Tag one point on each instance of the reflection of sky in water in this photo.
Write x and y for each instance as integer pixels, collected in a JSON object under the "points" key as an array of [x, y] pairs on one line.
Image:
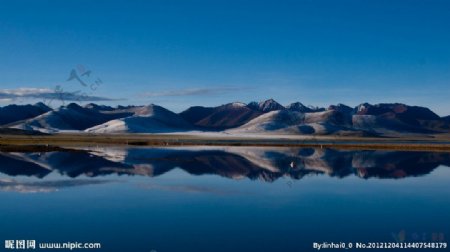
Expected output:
{"points": [[181, 212]]}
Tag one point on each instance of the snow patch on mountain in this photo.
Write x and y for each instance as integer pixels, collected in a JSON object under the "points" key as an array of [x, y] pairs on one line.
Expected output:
{"points": [[148, 119]]}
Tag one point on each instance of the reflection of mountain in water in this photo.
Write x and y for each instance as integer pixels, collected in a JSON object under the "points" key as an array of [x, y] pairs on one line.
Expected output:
{"points": [[266, 164]]}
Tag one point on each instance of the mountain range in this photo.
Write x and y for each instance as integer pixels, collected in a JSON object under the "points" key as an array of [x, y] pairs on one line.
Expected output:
{"points": [[265, 117]]}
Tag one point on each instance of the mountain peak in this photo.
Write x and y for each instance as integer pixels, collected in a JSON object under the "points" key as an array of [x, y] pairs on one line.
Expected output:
{"points": [[97, 107], [234, 105], [238, 104], [341, 108], [363, 107], [74, 106], [299, 107], [41, 105], [266, 106]]}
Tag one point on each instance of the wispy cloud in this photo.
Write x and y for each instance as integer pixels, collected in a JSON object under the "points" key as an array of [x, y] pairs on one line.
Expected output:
{"points": [[5, 100], [45, 93], [195, 91]]}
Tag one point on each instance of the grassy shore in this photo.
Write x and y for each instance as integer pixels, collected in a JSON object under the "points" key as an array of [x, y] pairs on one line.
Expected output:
{"points": [[418, 143]]}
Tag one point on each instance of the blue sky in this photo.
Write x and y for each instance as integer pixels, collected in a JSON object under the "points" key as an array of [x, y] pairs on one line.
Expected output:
{"points": [[183, 53]]}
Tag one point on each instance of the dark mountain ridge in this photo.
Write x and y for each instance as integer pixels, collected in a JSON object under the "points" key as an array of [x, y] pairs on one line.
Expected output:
{"points": [[13, 113]]}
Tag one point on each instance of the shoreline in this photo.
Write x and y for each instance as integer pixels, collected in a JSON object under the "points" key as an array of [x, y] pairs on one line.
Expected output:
{"points": [[401, 143]]}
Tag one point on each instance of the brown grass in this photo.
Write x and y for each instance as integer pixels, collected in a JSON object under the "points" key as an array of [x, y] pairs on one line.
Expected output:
{"points": [[413, 143]]}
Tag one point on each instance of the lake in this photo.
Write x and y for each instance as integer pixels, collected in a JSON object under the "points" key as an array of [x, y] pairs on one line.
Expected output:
{"points": [[223, 198]]}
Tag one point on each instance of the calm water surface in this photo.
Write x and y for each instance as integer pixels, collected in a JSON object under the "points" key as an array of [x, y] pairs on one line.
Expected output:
{"points": [[223, 199]]}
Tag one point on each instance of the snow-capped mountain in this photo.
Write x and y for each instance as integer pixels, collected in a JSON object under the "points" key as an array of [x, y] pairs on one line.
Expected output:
{"points": [[146, 119], [272, 121], [70, 117], [292, 122], [235, 118], [229, 115], [396, 117]]}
